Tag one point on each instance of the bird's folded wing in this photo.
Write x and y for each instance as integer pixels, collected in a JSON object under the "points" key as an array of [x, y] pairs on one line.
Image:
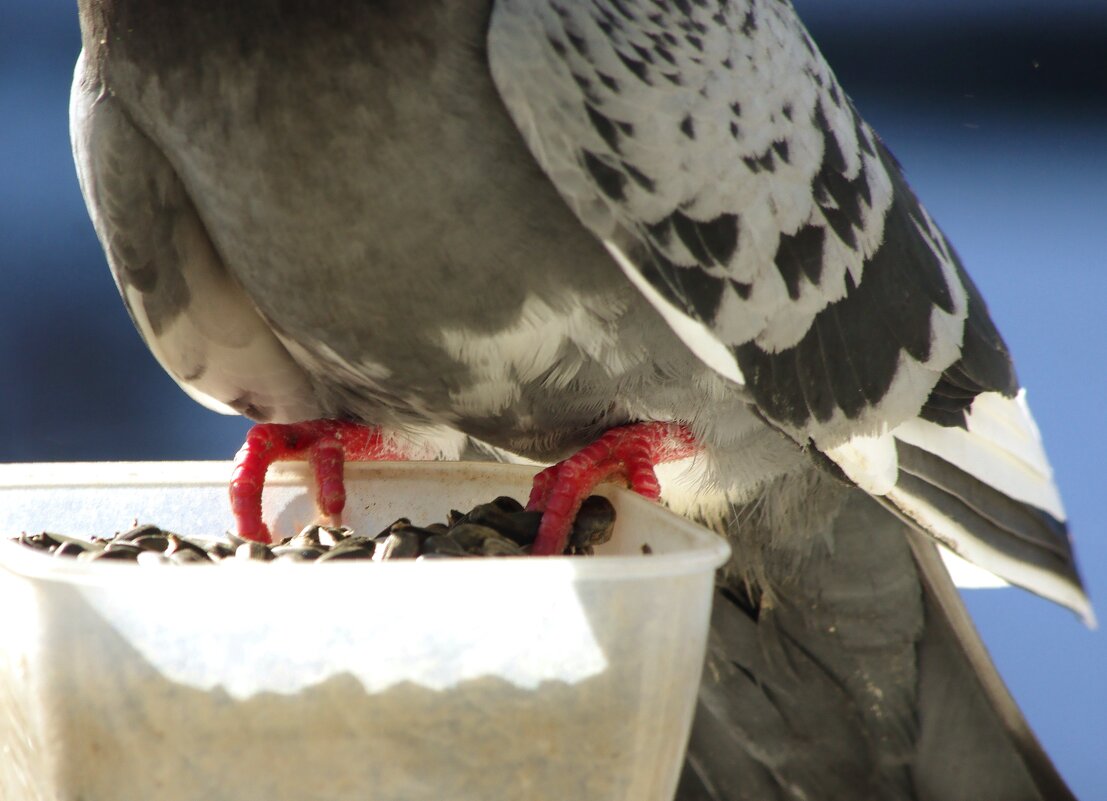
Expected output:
{"points": [[715, 156], [711, 150], [195, 318]]}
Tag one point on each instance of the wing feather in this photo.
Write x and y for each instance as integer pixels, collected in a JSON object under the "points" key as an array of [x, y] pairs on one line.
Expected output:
{"points": [[723, 164], [710, 148]]}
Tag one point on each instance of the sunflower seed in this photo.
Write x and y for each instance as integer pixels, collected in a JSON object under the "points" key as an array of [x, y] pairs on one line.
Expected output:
{"points": [[253, 551], [594, 523]]}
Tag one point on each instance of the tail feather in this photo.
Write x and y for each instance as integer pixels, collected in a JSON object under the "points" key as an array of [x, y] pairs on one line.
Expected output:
{"points": [[1023, 544], [964, 704], [1036, 528], [982, 488], [856, 675]]}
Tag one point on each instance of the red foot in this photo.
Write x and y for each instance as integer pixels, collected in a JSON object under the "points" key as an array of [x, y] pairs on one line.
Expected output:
{"points": [[328, 443], [626, 454]]}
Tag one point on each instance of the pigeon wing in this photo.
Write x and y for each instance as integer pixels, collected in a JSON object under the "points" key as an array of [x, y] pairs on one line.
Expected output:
{"points": [[711, 150]]}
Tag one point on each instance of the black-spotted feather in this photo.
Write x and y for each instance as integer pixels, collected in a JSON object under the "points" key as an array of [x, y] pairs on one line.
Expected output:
{"points": [[710, 148]]}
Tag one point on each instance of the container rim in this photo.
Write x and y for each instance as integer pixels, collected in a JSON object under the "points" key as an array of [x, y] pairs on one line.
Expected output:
{"points": [[705, 551]]}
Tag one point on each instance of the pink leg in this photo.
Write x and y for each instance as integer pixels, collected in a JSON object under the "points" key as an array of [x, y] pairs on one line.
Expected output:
{"points": [[626, 454], [327, 445]]}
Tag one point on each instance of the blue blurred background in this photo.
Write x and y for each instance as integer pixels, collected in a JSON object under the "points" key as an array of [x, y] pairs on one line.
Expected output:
{"points": [[996, 108]]}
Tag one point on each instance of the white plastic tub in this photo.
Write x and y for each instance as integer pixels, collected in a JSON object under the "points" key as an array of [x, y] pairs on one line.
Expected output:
{"points": [[561, 678]]}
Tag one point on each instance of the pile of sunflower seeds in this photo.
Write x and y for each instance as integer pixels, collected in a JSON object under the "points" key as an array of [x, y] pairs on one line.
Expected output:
{"points": [[499, 528]]}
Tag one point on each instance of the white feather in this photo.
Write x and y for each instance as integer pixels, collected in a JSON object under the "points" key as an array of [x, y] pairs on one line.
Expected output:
{"points": [[1001, 447], [869, 461], [697, 336], [1044, 582], [543, 343], [968, 576]]}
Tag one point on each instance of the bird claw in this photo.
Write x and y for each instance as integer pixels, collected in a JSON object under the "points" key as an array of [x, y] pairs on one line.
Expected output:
{"points": [[328, 444], [627, 454]]}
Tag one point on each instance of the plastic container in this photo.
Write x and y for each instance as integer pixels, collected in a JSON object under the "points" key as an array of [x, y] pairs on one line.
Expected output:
{"points": [[560, 678]]}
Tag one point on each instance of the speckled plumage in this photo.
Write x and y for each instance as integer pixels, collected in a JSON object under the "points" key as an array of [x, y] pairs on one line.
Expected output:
{"points": [[514, 224], [711, 150]]}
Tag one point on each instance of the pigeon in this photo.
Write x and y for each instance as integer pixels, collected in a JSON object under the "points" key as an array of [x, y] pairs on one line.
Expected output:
{"points": [[639, 240]]}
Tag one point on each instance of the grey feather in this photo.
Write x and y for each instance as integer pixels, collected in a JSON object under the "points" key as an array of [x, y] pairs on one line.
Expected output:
{"points": [[858, 676], [203, 328]]}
